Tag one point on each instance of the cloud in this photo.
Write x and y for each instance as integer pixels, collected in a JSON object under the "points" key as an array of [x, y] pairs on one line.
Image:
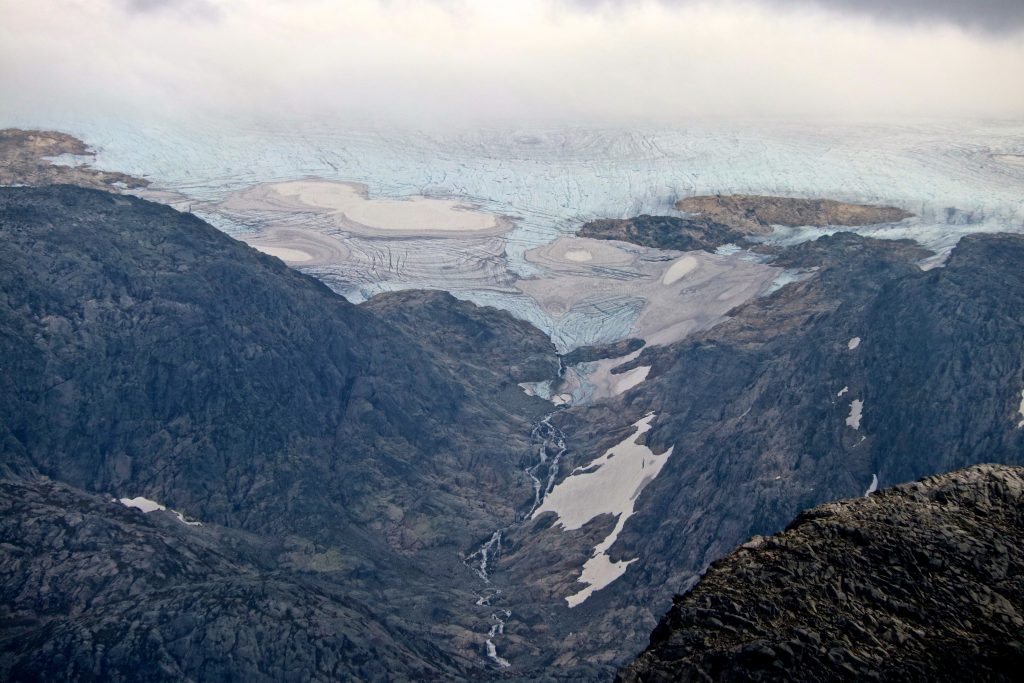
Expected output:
{"points": [[995, 16], [469, 62], [188, 9]]}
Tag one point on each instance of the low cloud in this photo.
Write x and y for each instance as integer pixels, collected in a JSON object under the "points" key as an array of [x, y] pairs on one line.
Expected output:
{"points": [[996, 16]]}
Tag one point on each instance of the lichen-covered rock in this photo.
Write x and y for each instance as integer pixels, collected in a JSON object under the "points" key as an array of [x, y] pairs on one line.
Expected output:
{"points": [[757, 213], [920, 582]]}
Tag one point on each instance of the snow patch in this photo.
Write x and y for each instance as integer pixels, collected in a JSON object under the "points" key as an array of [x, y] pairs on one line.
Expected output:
{"points": [[147, 506], [853, 343], [608, 485], [1020, 425], [856, 410], [842, 391]]}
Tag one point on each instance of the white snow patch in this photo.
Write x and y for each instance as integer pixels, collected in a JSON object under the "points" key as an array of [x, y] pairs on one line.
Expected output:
{"points": [[856, 410], [1020, 425], [853, 343], [842, 391], [680, 269], [144, 504], [147, 506], [873, 487], [608, 485]]}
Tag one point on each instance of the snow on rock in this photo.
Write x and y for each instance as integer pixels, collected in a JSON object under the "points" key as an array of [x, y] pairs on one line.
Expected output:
{"points": [[856, 410], [144, 504], [842, 391], [873, 487], [608, 485], [147, 506], [853, 343]]}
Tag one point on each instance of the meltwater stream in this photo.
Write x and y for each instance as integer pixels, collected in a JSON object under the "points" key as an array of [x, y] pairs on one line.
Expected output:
{"points": [[550, 444]]}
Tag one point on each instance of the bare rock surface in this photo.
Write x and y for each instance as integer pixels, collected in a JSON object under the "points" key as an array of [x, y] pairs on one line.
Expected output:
{"points": [[26, 159], [756, 214], [667, 232], [919, 582], [93, 590]]}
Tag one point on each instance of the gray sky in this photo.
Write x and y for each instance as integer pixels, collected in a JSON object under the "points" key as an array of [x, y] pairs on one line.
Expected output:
{"points": [[468, 62]]}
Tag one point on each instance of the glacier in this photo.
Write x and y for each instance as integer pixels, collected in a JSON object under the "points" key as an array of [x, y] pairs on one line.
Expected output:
{"points": [[957, 177]]}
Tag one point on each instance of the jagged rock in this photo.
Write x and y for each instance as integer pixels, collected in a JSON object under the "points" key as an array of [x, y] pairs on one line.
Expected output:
{"points": [[755, 214], [919, 582]]}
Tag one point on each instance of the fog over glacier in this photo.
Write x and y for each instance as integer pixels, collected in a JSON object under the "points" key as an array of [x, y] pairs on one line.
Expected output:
{"points": [[546, 113]]}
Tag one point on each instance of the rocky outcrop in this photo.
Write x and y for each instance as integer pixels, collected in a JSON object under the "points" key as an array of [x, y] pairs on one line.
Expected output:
{"points": [[756, 214], [482, 345], [920, 582], [666, 232], [589, 354], [24, 161], [91, 589]]}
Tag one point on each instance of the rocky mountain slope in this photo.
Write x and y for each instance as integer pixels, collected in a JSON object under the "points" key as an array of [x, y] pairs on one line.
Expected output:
{"points": [[920, 582], [869, 367], [147, 354], [92, 590], [378, 450]]}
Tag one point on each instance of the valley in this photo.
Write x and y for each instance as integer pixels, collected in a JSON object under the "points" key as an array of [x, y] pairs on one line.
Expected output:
{"points": [[452, 437]]}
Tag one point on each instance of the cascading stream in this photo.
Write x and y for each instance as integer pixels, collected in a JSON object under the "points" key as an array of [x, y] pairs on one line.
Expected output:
{"points": [[550, 443]]}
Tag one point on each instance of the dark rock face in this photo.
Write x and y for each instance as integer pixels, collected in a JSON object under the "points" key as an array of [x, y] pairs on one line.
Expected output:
{"points": [[149, 354], [588, 354], [759, 411], [483, 345], [756, 213], [664, 232], [324, 448], [920, 582], [92, 590]]}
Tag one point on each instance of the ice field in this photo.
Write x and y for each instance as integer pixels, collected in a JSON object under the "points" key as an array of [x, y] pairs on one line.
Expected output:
{"points": [[956, 177]]}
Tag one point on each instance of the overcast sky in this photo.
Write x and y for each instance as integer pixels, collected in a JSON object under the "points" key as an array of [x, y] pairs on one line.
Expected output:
{"points": [[518, 62]]}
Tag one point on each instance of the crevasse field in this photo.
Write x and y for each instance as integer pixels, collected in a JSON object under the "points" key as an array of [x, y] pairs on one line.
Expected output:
{"points": [[956, 177]]}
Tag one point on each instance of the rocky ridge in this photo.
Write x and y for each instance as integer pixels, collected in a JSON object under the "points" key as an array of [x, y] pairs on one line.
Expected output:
{"points": [[755, 214], [666, 232], [25, 160], [919, 582]]}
